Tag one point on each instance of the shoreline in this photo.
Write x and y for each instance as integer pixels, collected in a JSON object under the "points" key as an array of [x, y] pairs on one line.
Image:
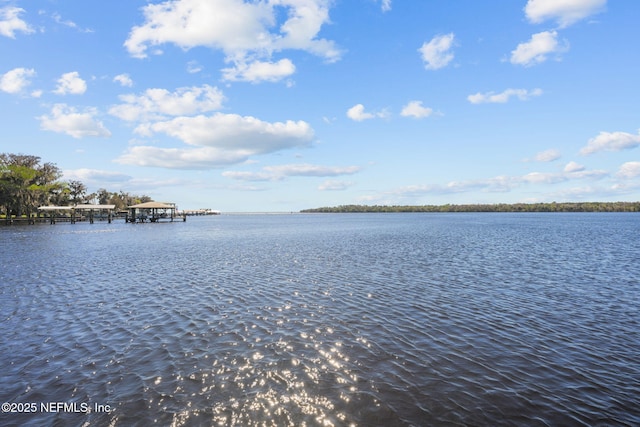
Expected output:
{"points": [[500, 207]]}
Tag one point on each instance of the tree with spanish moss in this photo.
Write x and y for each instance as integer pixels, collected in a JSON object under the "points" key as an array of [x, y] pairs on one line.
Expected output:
{"points": [[25, 184]]}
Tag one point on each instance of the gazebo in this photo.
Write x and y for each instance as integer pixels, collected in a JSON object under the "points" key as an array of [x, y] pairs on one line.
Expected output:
{"points": [[153, 212]]}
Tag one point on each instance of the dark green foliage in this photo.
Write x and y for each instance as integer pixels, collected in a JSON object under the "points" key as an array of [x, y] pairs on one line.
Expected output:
{"points": [[26, 184], [120, 199], [501, 207]]}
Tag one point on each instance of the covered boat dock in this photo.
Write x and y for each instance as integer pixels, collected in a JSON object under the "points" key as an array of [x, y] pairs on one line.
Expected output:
{"points": [[70, 213], [153, 212]]}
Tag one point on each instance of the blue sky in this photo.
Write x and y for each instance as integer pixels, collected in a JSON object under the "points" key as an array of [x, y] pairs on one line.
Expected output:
{"points": [[281, 105]]}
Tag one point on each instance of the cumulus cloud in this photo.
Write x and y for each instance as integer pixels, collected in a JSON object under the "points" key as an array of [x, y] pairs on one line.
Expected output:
{"points": [[547, 155], [16, 80], [245, 31], [611, 141], [573, 167], [305, 169], [10, 22], [416, 109], [503, 97], [180, 158], [542, 178], [217, 140], [537, 49], [498, 184], [230, 25], [436, 53], [155, 104], [95, 175], [280, 172], [71, 83], [230, 131], [564, 12], [124, 80], [194, 67], [259, 71], [572, 171], [629, 170], [68, 120], [335, 185], [358, 114]]}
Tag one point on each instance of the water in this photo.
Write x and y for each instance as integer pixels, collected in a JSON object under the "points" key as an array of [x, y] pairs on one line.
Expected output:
{"points": [[320, 320]]}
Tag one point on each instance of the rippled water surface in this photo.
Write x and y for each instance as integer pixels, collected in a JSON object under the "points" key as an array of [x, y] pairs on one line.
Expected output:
{"points": [[320, 320]]}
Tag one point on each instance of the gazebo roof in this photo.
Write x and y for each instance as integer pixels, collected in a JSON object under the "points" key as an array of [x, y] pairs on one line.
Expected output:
{"points": [[152, 205]]}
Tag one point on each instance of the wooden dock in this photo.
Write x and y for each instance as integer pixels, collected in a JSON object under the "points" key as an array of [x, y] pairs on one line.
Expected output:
{"points": [[153, 212], [76, 213], [143, 212]]}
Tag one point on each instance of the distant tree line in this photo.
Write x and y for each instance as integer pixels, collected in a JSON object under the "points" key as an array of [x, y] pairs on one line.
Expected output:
{"points": [[26, 184], [501, 207]]}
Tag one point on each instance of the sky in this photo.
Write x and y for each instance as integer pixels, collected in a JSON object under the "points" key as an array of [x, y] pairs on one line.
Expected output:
{"points": [[282, 105]]}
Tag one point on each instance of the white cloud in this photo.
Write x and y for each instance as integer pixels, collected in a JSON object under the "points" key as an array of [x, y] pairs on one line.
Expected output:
{"points": [[335, 185], [65, 119], [586, 174], [386, 5], [280, 172], [259, 71], [230, 25], [572, 171], [180, 158], [573, 167], [71, 83], [249, 176], [358, 114], [547, 155], [159, 103], [629, 170], [305, 20], [194, 67], [537, 49], [501, 183], [502, 97], [415, 109], [581, 193], [611, 141], [219, 140], [231, 131], [305, 169], [16, 80], [124, 80], [246, 32], [92, 176], [10, 22], [565, 12], [543, 178], [68, 23], [436, 53]]}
